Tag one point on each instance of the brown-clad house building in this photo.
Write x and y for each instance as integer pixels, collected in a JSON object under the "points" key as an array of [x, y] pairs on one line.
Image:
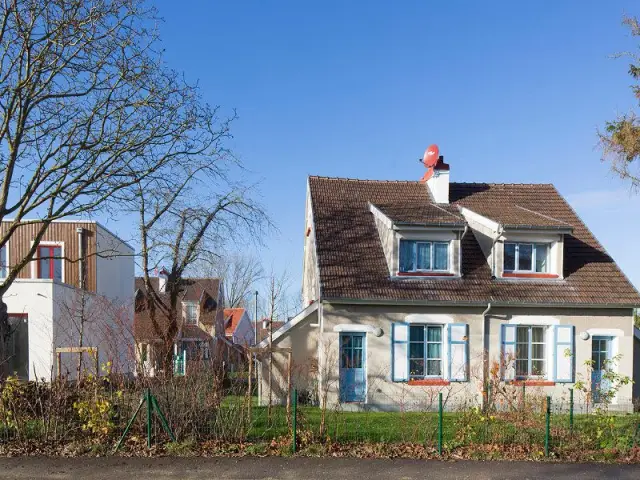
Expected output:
{"points": [[418, 286], [200, 335]]}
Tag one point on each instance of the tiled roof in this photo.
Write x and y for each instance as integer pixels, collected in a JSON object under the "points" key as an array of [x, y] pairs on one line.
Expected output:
{"points": [[231, 318], [264, 332], [353, 266], [201, 290], [422, 213]]}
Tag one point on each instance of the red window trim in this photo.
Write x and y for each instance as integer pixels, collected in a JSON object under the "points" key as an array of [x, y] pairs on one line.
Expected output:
{"points": [[425, 274], [529, 275], [49, 247], [429, 382]]}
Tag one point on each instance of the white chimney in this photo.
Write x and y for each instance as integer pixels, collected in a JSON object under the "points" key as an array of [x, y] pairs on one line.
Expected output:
{"points": [[438, 182], [162, 282]]}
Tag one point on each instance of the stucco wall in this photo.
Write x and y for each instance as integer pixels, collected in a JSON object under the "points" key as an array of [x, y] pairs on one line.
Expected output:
{"points": [[115, 267], [244, 334], [384, 393], [34, 297], [310, 288]]}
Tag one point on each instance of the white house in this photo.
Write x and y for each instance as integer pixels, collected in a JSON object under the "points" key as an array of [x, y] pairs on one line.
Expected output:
{"points": [[77, 291], [416, 286]]}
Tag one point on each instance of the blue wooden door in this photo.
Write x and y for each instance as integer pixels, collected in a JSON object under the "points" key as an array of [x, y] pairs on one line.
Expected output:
{"points": [[600, 356], [353, 378]]}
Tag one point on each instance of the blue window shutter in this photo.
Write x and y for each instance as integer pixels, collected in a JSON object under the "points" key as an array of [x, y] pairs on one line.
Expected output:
{"points": [[564, 336], [458, 352], [508, 352], [406, 255], [400, 352]]}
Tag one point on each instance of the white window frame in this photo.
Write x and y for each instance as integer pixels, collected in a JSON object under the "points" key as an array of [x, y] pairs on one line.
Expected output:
{"points": [[432, 244], [530, 359], [36, 259], [187, 319], [425, 342], [517, 268]]}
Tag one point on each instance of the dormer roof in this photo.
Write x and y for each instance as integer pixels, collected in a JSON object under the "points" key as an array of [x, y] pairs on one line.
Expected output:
{"points": [[422, 214], [352, 264]]}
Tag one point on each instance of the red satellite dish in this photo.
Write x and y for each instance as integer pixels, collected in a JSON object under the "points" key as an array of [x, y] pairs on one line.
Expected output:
{"points": [[431, 156]]}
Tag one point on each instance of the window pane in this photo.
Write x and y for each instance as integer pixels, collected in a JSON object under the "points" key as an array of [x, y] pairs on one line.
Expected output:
{"points": [[525, 254], [542, 254], [416, 333], [537, 334], [357, 341], [424, 256], [537, 350], [406, 255], [357, 358], [44, 263], [522, 368], [434, 367], [509, 256], [522, 334], [441, 256], [434, 334], [416, 368], [345, 360], [346, 341], [537, 367], [522, 351], [3, 261], [433, 350], [416, 350]]}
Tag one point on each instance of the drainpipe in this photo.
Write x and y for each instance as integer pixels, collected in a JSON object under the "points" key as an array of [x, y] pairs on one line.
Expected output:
{"points": [[466, 228], [485, 353], [499, 232]]}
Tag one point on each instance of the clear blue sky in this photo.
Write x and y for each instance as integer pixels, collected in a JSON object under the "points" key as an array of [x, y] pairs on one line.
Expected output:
{"points": [[510, 91]]}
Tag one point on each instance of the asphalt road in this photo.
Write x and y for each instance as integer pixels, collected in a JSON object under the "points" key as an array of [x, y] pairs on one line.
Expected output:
{"points": [[119, 468]]}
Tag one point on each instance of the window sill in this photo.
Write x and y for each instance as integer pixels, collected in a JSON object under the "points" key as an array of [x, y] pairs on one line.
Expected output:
{"points": [[429, 382], [529, 275], [533, 383], [425, 274]]}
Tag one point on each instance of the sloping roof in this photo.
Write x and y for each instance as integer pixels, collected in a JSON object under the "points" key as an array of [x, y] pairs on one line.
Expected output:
{"points": [[423, 213], [232, 317], [204, 291], [263, 333], [353, 266]]}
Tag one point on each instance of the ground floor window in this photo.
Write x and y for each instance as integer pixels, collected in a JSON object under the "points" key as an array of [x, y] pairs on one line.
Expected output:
{"points": [[425, 351], [530, 351]]}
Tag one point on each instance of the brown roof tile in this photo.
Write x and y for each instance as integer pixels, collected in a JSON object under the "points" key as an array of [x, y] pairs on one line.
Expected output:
{"points": [[353, 266]]}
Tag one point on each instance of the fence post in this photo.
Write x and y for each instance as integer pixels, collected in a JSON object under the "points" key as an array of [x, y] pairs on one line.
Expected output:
{"points": [[147, 395], [294, 422], [548, 427], [571, 411], [440, 423]]}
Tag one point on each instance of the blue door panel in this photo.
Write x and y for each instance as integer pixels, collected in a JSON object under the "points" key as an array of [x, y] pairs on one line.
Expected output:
{"points": [[352, 367]]}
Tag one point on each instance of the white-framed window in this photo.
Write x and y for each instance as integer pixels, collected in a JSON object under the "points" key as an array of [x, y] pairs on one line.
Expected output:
{"points": [[526, 257], [424, 256], [425, 351], [4, 261], [191, 313], [531, 352], [50, 261]]}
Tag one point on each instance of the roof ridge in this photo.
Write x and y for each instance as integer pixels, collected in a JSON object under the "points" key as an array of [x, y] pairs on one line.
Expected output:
{"points": [[542, 215], [498, 184], [320, 177]]}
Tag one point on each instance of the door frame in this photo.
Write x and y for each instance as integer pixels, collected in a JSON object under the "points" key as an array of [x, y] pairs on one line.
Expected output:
{"points": [[364, 365], [609, 343]]}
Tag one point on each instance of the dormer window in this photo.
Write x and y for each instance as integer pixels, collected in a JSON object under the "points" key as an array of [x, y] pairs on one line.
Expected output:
{"points": [[526, 257], [423, 256]]}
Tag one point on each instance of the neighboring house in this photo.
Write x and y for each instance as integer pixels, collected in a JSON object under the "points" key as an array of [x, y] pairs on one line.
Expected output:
{"points": [[80, 280], [419, 284], [200, 319], [266, 329], [238, 327]]}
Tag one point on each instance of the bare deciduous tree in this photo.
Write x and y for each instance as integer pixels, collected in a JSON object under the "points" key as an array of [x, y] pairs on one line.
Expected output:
{"points": [[239, 273], [87, 109], [621, 138]]}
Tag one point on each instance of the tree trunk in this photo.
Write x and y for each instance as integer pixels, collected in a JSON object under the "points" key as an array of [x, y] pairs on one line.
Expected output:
{"points": [[5, 334]]}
